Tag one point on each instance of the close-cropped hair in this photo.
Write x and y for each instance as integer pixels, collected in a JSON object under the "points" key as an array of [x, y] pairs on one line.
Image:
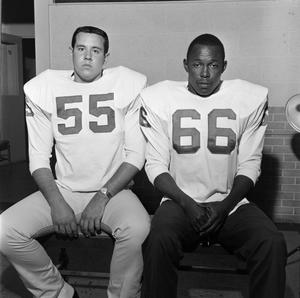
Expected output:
{"points": [[207, 40], [91, 29]]}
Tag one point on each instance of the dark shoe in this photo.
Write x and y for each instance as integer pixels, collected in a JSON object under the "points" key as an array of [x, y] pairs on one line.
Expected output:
{"points": [[75, 295]]}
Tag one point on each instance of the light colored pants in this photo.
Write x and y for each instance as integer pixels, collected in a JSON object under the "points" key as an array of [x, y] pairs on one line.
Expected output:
{"points": [[30, 218]]}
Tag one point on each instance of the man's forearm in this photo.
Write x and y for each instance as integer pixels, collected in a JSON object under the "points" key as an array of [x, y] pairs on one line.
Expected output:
{"points": [[166, 184], [122, 177], [240, 188], [47, 185]]}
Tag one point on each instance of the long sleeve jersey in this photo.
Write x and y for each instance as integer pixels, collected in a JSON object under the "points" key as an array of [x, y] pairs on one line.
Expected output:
{"points": [[94, 126], [203, 143]]}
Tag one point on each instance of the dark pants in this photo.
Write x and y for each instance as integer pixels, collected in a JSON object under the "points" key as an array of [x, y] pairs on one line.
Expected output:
{"points": [[248, 233]]}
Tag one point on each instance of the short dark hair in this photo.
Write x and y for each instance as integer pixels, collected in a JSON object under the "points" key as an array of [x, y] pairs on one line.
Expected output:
{"points": [[91, 29], [208, 40]]}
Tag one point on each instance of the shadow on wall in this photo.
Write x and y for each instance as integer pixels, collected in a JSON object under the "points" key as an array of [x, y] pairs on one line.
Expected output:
{"points": [[295, 144], [146, 192], [267, 187]]}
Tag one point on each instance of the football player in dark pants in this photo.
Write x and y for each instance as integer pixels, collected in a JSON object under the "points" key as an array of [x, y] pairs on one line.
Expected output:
{"points": [[205, 140]]}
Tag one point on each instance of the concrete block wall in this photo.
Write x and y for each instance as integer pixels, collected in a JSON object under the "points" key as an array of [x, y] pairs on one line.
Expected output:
{"points": [[278, 189]]}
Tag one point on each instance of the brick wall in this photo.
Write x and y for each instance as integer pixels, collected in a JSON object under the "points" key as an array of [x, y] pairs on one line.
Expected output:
{"points": [[278, 190]]}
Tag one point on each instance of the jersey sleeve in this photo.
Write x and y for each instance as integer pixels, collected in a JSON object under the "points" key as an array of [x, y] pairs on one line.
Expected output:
{"points": [[134, 146], [134, 140], [40, 136], [38, 90], [38, 119], [155, 129], [252, 141]]}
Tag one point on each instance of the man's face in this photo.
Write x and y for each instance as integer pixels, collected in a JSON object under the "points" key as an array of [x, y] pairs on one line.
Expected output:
{"points": [[204, 66], [88, 57]]}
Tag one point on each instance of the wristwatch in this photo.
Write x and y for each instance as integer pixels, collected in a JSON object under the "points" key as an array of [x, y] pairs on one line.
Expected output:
{"points": [[105, 191]]}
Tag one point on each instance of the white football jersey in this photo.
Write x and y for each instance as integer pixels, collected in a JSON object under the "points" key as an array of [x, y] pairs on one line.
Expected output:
{"points": [[94, 125], [204, 142]]}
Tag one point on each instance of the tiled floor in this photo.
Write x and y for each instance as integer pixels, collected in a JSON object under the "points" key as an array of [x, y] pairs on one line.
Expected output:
{"points": [[15, 183]]}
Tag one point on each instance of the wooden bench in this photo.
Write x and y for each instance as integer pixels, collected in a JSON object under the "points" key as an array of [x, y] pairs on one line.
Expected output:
{"points": [[204, 259], [61, 249]]}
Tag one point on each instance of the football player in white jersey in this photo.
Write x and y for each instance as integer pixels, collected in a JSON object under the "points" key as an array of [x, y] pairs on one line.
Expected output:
{"points": [[205, 140], [92, 115]]}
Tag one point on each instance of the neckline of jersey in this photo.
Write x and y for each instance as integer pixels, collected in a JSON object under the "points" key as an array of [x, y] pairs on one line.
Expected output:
{"points": [[222, 88], [86, 83]]}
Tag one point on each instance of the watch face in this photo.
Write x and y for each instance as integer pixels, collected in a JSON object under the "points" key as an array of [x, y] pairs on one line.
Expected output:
{"points": [[105, 191]]}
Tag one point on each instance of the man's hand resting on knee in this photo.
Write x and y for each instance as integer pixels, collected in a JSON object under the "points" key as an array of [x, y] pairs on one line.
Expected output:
{"points": [[64, 220], [90, 221]]}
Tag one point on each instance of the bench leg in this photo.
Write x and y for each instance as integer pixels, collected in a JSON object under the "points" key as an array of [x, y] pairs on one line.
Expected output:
{"points": [[63, 259]]}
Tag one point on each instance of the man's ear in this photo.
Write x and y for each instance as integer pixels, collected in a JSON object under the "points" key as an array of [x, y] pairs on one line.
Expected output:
{"points": [[224, 65], [185, 65], [106, 57]]}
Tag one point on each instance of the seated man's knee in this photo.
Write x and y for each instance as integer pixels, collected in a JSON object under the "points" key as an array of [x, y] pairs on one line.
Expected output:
{"points": [[134, 233], [7, 236], [140, 230], [279, 243], [161, 240], [12, 234], [272, 243]]}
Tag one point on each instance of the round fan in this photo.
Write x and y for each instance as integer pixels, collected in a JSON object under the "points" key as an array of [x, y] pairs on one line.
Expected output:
{"points": [[292, 112]]}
